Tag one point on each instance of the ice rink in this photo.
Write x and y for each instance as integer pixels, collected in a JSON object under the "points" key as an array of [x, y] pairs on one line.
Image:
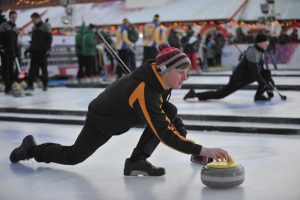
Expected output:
{"points": [[271, 161], [271, 164]]}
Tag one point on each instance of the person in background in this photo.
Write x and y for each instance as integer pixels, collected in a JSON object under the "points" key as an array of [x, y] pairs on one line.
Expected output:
{"points": [[219, 45], [124, 47], [41, 40], [190, 45], [248, 70], [174, 40], [78, 49], [153, 35], [9, 50]]}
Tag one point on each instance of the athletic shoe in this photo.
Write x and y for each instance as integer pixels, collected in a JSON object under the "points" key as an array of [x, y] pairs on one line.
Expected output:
{"points": [[190, 94], [21, 152], [261, 98], [142, 167]]}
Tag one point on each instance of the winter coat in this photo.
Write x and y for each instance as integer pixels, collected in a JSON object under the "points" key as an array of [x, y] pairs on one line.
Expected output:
{"points": [[137, 99], [250, 67], [89, 43], [9, 37], [41, 38]]}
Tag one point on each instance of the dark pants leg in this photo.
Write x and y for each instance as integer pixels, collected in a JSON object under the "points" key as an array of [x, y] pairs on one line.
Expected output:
{"points": [[80, 66], [228, 89], [148, 141], [149, 53], [88, 141], [124, 54], [8, 70], [43, 66], [38, 60], [90, 65]]}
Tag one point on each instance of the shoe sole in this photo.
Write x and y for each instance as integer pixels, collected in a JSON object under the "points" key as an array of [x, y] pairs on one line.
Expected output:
{"points": [[136, 173]]}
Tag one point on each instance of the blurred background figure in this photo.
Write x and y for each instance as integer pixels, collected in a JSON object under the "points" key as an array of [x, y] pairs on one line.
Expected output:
{"points": [[40, 46], [89, 53], [190, 44], [9, 51], [124, 47], [153, 35], [174, 40], [219, 45]]}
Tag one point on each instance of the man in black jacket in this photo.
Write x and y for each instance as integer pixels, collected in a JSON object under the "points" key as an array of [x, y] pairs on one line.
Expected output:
{"points": [[134, 99], [40, 45], [248, 70], [8, 49]]}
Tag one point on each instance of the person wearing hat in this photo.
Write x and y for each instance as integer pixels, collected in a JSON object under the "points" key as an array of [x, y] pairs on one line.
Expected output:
{"points": [[40, 46], [124, 47], [153, 35], [249, 69], [134, 99]]}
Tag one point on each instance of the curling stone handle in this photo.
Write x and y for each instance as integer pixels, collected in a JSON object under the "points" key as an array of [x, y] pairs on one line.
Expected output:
{"points": [[230, 160]]}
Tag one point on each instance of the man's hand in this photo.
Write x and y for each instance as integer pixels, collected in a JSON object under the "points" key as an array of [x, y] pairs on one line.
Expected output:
{"points": [[215, 153]]}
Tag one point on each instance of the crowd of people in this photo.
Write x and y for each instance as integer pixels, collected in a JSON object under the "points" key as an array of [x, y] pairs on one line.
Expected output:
{"points": [[39, 49], [203, 51]]}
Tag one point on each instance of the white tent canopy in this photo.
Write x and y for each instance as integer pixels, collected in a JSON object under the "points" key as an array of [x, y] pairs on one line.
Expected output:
{"points": [[108, 13]]}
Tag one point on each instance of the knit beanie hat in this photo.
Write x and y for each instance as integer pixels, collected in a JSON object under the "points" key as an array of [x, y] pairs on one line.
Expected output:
{"points": [[261, 38], [170, 57]]}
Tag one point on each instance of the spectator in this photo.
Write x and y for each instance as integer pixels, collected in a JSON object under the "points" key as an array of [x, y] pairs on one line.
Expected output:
{"points": [[294, 36], [124, 47], [40, 46], [9, 50], [153, 35], [219, 45], [190, 44], [174, 39]]}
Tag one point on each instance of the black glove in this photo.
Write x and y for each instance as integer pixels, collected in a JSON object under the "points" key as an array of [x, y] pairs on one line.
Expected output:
{"points": [[268, 87]]}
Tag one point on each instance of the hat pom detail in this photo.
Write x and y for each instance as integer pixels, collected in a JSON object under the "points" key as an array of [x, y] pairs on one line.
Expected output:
{"points": [[163, 46]]}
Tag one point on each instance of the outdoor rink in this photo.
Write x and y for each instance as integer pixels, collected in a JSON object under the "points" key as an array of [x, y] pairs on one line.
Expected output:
{"points": [[271, 161]]}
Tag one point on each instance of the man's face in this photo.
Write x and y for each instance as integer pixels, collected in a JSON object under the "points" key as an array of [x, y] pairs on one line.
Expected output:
{"points": [[263, 45], [175, 77], [13, 18], [36, 20]]}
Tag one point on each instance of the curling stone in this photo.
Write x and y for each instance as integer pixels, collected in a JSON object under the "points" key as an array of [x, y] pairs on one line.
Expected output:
{"points": [[223, 174]]}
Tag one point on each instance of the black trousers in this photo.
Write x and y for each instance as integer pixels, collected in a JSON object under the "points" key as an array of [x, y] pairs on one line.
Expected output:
{"points": [[88, 141], [8, 70], [128, 57], [89, 62], [149, 53], [148, 141], [38, 61], [81, 67], [228, 89]]}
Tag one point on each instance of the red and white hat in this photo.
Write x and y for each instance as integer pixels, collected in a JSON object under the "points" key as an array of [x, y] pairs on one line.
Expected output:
{"points": [[170, 57]]}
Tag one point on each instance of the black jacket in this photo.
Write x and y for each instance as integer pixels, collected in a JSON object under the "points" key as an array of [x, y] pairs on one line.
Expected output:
{"points": [[41, 38], [137, 99], [250, 67], [9, 37]]}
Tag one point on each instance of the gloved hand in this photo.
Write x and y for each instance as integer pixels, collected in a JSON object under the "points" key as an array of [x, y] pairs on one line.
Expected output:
{"points": [[268, 87]]}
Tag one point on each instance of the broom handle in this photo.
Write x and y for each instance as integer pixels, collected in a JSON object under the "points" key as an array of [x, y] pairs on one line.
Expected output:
{"points": [[112, 52]]}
